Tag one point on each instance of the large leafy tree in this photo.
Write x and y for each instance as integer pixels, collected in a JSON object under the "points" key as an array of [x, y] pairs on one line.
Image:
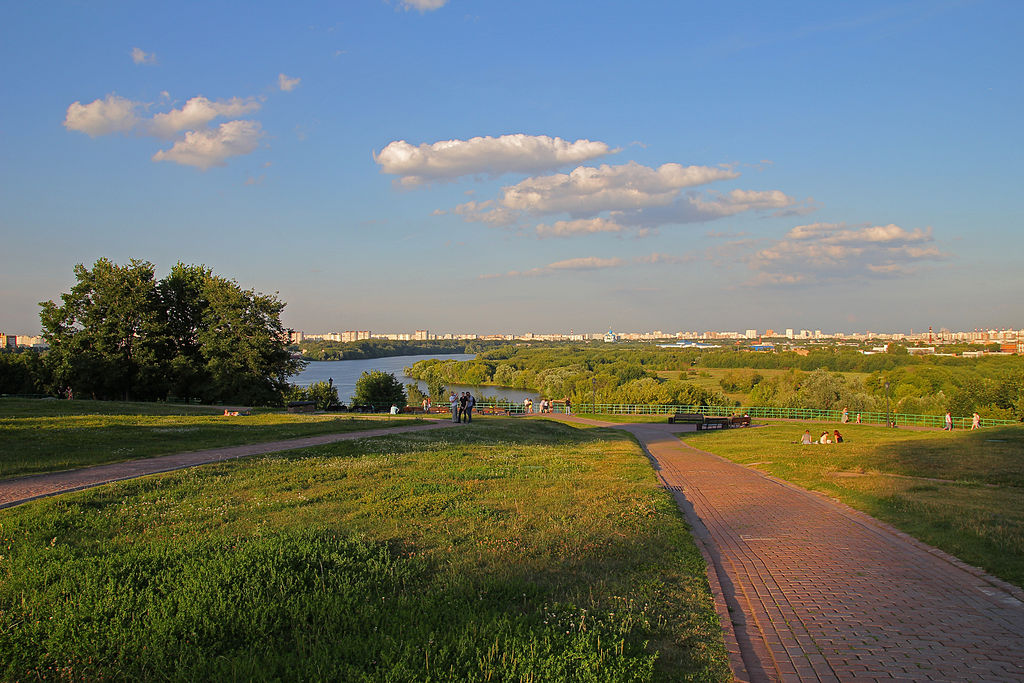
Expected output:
{"points": [[107, 338], [120, 333], [379, 390]]}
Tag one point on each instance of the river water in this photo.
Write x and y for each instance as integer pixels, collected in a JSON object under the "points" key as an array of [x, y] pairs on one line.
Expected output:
{"points": [[346, 372]]}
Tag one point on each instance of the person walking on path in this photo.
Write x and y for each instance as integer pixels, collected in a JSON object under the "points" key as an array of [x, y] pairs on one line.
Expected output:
{"points": [[463, 399], [975, 421], [470, 404], [949, 422], [453, 403], [568, 406], [846, 415]]}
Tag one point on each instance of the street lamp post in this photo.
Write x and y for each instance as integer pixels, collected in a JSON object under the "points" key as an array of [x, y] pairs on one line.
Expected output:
{"points": [[593, 395]]}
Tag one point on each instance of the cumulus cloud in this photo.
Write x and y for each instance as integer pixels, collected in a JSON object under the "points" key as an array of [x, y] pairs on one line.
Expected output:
{"points": [[423, 5], [287, 84], [573, 264], [589, 190], [583, 226], [618, 198], [201, 146], [199, 111], [703, 208], [656, 258], [102, 117], [488, 155], [140, 56], [829, 251], [206, 148]]}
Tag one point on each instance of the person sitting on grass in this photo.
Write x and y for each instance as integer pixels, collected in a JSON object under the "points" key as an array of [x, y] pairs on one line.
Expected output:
{"points": [[806, 440], [837, 437], [824, 437]]}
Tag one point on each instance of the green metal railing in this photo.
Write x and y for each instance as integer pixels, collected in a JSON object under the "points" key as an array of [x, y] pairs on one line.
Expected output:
{"points": [[765, 412]]}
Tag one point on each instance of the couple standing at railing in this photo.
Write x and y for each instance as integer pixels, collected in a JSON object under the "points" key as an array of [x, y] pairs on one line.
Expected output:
{"points": [[462, 406]]}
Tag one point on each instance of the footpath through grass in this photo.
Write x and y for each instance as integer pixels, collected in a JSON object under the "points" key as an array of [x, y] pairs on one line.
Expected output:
{"points": [[47, 436], [503, 550], [960, 491]]}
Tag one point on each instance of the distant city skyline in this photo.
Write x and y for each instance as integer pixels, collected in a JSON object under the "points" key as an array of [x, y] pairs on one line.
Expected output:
{"points": [[402, 164]]}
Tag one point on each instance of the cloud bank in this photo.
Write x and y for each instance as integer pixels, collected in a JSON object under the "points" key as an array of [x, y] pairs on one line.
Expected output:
{"points": [[492, 156], [619, 198], [821, 252]]}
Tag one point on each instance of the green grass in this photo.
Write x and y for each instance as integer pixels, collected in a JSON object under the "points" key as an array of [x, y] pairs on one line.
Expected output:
{"points": [[502, 550], [46, 436], [962, 492]]}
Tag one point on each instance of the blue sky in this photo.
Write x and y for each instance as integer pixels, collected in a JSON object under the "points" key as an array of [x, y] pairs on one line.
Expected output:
{"points": [[509, 166]]}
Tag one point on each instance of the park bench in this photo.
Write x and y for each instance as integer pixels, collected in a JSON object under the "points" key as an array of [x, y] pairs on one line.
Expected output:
{"points": [[301, 406], [739, 421], [716, 423], [492, 411], [687, 418]]}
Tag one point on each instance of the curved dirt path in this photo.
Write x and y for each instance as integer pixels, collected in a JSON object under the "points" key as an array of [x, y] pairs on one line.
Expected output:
{"points": [[23, 489], [812, 590]]}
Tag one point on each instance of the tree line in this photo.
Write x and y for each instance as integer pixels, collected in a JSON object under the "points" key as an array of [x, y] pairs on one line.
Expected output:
{"points": [[826, 378], [122, 334]]}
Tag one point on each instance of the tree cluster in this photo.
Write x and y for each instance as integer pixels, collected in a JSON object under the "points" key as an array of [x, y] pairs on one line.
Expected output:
{"points": [[121, 333]]}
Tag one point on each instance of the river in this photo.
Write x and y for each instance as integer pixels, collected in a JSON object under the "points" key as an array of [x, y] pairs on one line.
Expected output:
{"points": [[346, 372]]}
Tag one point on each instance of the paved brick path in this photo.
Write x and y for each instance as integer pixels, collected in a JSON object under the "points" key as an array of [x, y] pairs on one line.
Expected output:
{"points": [[24, 489], [817, 591]]}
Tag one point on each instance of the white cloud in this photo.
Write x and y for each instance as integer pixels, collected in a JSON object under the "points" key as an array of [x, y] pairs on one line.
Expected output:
{"points": [[206, 148], [739, 201], [488, 155], [485, 212], [590, 190], [573, 264], [424, 5], [287, 84], [102, 117], [586, 263], [199, 111], [696, 208], [140, 56], [656, 258], [582, 226], [636, 197], [832, 251]]}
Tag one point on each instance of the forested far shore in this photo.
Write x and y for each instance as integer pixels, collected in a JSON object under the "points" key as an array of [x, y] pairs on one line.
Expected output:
{"points": [[830, 378], [318, 350]]}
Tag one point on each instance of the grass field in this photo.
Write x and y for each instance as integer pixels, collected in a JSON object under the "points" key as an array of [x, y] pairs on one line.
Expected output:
{"points": [[962, 492], [45, 436], [507, 549]]}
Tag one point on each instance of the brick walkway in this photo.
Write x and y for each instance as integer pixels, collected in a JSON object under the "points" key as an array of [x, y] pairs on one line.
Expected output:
{"points": [[24, 489], [817, 591]]}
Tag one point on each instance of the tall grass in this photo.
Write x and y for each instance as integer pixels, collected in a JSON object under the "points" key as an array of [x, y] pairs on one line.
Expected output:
{"points": [[502, 550]]}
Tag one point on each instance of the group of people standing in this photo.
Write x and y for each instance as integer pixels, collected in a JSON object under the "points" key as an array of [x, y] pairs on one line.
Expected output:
{"points": [[545, 406], [462, 406]]}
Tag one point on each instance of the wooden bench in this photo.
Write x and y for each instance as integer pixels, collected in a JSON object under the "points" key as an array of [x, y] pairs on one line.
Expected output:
{"points": [[740, 420], [716, 423], [687, 419]]}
